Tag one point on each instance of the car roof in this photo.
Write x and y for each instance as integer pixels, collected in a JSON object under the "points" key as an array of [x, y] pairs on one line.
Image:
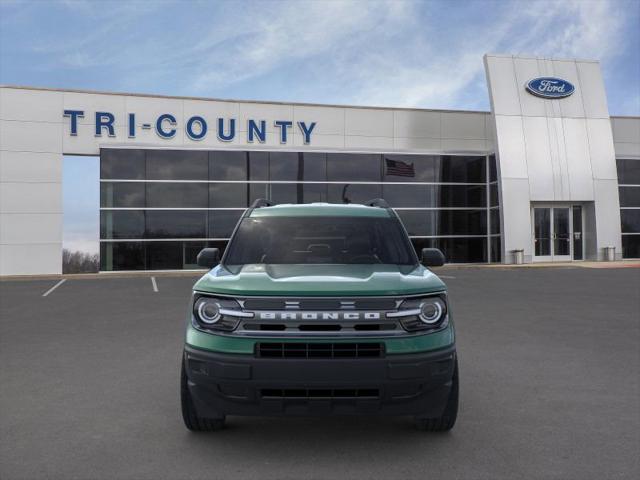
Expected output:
{"points": [[320, 210]]}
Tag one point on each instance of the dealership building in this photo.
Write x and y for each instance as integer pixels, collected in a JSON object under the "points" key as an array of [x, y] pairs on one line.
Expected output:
{"points": [[546, 175]]}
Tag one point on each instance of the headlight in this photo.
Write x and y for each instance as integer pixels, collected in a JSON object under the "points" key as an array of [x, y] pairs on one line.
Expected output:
{"points": [[422, 313], [217, 313], [208, 310], [431, 310]]}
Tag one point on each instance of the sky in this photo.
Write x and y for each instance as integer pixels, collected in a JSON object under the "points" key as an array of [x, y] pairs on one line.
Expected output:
{"points": [[380, 53]]}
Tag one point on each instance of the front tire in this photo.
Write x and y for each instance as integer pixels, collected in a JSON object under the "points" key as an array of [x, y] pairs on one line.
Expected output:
{"points": [[191, 419], [447, 420]]}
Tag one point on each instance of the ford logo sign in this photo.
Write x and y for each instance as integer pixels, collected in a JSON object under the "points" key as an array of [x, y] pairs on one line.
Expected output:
{"points": [[550, 87]]}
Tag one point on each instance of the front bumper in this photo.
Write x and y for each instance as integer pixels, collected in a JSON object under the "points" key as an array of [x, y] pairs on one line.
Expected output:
{"points": [[232, 384]]}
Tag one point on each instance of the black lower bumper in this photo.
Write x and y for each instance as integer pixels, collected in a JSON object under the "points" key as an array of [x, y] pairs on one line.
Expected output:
{"points": [[229, 384]]}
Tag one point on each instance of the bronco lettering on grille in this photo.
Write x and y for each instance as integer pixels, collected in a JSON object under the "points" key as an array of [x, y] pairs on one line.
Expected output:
{"points": [[319, 315]]}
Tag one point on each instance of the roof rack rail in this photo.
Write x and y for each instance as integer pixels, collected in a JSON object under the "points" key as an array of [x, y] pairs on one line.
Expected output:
{"points": [[377, 202], [261, 202]]}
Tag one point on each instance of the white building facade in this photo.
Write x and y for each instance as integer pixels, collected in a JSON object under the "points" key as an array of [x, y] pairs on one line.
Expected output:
{"points": [[546, 175]]}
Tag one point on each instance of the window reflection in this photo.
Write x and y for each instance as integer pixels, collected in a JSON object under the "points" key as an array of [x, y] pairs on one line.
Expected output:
{"points": [[124, 164], [177, 195], [225, 165], [461, 202], [177, 165], [358, 167]]}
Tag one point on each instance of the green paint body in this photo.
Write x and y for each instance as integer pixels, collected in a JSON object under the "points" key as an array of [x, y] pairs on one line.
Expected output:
{"points": [[321, 280]]}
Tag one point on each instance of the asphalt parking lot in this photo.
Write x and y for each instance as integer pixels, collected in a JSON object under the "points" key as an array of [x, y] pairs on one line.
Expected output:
{"points": [[549, 367]]}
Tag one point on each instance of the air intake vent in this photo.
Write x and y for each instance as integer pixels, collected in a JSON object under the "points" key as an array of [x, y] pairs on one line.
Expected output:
{"points": [[319, 350], [320, 393]]}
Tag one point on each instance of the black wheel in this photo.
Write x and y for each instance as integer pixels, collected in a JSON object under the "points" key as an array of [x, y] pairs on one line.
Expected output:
{"points": [[448, 418], [191, 419]]}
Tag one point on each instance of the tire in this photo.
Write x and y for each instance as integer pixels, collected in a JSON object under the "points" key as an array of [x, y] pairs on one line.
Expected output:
{"points": [[191, 419], [447, 420]]}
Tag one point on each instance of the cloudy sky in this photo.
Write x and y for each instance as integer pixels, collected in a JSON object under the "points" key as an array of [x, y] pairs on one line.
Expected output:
{"points": [[391, 53]]}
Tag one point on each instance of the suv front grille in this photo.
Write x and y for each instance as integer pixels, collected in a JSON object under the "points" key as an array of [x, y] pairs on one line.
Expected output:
{"points": [[319, 350], [321, 304], [320, 393]]}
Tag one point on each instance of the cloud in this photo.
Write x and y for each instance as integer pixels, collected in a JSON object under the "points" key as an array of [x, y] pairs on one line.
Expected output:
{"points": [[387, 52]]}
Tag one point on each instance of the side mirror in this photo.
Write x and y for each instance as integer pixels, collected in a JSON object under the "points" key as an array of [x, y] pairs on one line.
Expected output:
{"points": [[209, 257], [432, 257]]}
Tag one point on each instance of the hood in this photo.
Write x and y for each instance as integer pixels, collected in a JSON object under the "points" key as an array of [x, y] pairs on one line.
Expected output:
{"points": [[320, 280]]}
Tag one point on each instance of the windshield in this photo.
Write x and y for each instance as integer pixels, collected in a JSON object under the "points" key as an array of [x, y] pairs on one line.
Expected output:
{"points": [[320, 240]]}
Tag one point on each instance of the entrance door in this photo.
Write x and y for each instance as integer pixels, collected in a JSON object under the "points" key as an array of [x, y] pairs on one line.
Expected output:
{"points": [[561, 234], [542, 234], [557, 233]]}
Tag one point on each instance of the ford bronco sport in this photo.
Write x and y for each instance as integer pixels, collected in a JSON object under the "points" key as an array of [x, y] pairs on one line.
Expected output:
{"points": [[319, 309]]}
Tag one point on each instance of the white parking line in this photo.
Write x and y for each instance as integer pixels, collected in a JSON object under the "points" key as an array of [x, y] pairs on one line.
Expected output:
{"points": [[54, 287], [154, 284]]}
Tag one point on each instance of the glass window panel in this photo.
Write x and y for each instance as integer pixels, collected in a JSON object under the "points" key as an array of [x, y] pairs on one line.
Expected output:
{"points": [[444, 222], [628, 171], [258, 190], [122, 256], [228, 195], [461, 169], [630, 221], [285, 166], [496, 252], [258, 166], [228, 165], [416, 196], [458, 195], [352, 193], [125, 164], [314, 166], [164, 255], [314, 192], [629, 196], [177, 195], [493, 169], [177, 165], [121, 224], [406, 196], [494, 197], [359, 167], [176, 224], [119, 195], [285, 193], [222, 222], [495, 220], [630, 246], [410, 168]]}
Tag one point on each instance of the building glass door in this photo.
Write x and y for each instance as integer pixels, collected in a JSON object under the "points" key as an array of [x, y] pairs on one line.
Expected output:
{"points": [[561, 234], [542, 233], [557, 233]]}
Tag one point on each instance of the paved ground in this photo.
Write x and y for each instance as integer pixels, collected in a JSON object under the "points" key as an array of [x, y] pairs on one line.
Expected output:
{"points": [[550, 372]]}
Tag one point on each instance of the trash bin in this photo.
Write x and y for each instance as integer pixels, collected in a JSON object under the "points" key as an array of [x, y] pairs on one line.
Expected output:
{"points": [[518, 257], [609, 254]]}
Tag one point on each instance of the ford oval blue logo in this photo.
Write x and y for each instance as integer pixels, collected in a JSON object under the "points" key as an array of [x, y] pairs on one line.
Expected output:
{"points": [[550, 87]]}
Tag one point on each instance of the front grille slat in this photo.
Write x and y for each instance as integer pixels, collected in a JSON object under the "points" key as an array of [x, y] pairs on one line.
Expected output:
{"points": [[319, 350], [320, 304], [340, 393]]}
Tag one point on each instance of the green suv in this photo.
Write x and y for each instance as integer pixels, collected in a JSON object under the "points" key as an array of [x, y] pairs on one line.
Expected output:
{"points": [[319, 309]]}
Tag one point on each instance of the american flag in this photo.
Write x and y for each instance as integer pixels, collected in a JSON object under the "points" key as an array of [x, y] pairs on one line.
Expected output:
{"points": [[399, 168]]}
